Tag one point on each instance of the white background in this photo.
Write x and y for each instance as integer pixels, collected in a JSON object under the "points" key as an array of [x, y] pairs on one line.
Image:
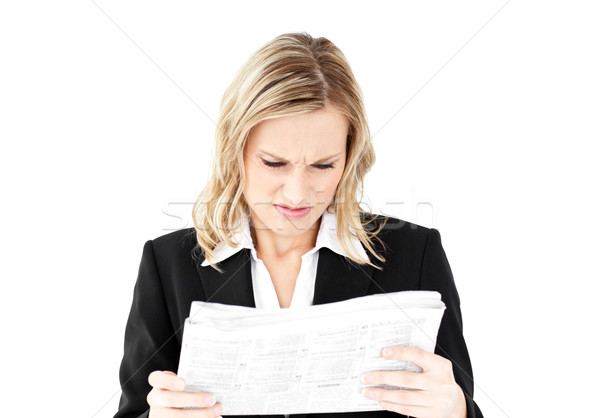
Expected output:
{"points": [[484, 117]]}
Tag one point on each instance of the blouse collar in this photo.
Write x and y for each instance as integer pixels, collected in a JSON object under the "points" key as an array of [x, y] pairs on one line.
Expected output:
{"points": [[326, 237]]}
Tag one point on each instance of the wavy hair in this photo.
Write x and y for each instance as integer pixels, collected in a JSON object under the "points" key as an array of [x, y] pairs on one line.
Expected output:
{"points": [[290, 75]]}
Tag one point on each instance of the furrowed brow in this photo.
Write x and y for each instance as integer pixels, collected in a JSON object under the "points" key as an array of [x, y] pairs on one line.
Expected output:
{"points": [[283, 160]]}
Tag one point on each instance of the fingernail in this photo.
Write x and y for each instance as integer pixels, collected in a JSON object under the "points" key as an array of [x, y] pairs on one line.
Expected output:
{"points": [[387, 351], [367, 378], [209, 400], [368, 393], [179, 384], [218, 409]]}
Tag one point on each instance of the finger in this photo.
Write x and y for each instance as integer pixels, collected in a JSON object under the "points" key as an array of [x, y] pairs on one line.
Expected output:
{"points": [[401, 378], [165, 380], [399, 396], [422, 358], [187, 413], [171, 399]]}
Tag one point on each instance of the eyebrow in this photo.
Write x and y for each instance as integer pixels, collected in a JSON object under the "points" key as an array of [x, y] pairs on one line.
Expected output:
{"points": [[322, 160]]}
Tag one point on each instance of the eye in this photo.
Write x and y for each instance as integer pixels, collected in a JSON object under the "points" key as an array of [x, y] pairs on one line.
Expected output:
{"points": [[272, 164], [280, 164], [324, 166]]}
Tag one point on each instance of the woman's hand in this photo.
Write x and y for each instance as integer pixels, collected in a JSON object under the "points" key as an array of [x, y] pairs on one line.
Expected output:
{"points": [[167, 396], [434, 392]]}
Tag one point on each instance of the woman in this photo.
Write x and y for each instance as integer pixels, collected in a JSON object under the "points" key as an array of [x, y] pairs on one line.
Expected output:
{"points": [[279, 226]]}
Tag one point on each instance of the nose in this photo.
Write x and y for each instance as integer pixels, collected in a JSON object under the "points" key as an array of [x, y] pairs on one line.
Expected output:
{"points": [[297, 186]]}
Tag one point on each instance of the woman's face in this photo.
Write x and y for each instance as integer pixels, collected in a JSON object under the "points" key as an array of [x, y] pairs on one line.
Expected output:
{"points": [[294, 161]]}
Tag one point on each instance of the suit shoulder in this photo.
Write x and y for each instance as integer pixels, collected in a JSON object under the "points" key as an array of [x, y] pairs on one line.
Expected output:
{"points": [[396, 231], [181, 241]]}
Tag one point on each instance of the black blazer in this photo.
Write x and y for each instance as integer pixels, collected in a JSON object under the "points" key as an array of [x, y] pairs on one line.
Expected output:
{"points": [[170, 278]]}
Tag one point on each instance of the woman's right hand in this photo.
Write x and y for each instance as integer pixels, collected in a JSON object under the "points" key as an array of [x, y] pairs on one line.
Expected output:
{"points": [[167, 396]]}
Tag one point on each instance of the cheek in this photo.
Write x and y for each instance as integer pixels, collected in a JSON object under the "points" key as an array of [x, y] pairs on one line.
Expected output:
{"points": [[252, 180], [326, 188], [259, 183], [334, 181]]}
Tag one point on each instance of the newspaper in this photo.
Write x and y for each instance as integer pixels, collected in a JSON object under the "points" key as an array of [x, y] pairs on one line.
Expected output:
{"points": [[302, 360]]}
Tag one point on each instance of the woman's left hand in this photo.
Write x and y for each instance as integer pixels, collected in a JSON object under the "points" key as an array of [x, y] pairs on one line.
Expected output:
{"points": [[434, 392]]}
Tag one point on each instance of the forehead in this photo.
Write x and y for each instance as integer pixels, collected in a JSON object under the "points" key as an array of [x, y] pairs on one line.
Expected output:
{"points": [[323, 130]]}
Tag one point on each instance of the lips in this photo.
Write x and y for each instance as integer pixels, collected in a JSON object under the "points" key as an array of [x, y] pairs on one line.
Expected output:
{"points": [[291, 207], [293, 213]]}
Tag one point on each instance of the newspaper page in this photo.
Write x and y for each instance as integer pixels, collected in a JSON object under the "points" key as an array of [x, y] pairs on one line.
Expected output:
{"points": [[302, 360]]}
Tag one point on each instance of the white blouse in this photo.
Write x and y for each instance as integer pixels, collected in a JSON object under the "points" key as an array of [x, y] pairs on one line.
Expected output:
{"points": [[265, 296]]}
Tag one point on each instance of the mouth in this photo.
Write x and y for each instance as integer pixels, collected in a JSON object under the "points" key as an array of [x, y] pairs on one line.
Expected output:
{"points": [[293, 208], [293, 213]]}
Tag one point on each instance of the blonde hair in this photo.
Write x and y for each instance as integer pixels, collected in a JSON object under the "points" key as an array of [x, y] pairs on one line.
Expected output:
{"points": [[290, 75]]}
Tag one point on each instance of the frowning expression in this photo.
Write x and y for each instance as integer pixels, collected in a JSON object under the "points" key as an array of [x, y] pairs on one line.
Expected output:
{"points": [[294, 162]]}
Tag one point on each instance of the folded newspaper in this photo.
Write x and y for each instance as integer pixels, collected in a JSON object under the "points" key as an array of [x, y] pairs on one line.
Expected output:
{"points": [[302, 360]]}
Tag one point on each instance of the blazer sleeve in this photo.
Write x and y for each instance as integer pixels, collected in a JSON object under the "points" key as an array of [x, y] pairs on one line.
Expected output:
{"points": [[150, 342], [436, 275]]}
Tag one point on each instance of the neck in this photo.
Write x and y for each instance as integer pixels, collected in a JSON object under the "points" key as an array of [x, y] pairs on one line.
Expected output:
{"points": [[271, 245]]}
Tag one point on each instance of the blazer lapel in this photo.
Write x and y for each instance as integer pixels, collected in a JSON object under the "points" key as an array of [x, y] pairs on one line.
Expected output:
{"points": [[234, 285], [338, 278]]}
